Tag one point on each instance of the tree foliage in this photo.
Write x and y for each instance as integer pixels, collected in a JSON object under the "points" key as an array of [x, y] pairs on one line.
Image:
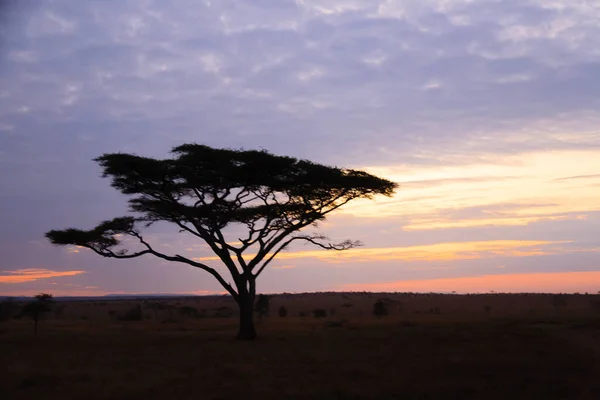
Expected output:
{"points": [[204, 191]]}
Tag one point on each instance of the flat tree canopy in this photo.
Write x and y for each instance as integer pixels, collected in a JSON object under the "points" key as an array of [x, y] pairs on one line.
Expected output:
{"points": [[203, 190]]}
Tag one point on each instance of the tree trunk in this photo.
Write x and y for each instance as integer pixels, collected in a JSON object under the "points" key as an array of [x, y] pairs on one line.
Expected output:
{"points": [[246, 331]]}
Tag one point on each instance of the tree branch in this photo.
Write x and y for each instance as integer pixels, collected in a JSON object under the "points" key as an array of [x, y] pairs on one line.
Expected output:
{"points": [[345, 245]]}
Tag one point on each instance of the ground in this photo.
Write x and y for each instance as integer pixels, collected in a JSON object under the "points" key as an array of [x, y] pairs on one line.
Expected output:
{"points": [[428, 347]]}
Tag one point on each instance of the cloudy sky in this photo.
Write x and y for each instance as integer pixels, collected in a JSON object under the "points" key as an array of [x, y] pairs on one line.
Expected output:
{"points": [[485, 112]]}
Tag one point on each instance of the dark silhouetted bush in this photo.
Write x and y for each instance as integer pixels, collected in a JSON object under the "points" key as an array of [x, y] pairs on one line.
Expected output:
{"points": [[302, 314], [283, 312], [380, 309], [135, 314], [319, 313], [262, 305]]}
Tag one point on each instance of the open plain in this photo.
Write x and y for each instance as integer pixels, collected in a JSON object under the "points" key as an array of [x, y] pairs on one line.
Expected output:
{"points": [[429, 346]]}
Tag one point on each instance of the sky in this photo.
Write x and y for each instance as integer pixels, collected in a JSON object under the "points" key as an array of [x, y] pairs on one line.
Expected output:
{"points": [[485, 112]]}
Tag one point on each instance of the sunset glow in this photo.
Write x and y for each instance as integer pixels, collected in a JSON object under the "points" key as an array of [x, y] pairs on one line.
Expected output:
{"points": [[557, 282], [516, 190], [33, 274], [433, 252]]}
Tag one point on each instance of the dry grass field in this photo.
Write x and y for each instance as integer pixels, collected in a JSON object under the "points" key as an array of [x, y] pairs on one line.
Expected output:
{"points": [[428, 347]]}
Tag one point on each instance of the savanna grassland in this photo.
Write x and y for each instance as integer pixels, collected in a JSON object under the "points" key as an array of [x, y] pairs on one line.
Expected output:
{"points": [[491, 346]]}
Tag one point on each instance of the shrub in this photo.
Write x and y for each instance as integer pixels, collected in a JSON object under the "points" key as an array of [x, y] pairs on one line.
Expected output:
{"points": [[283, 312], [262, 305], [319, 313], [302, 314], [380, 309], [134, 314]]}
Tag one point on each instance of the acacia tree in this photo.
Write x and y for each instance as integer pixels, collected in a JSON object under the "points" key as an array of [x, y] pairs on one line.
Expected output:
{"points": [[207, 192], [36, 308]]}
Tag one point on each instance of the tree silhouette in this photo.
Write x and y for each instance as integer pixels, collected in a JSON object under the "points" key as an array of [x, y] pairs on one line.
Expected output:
{"points": [[41, 304], [203, 191]]}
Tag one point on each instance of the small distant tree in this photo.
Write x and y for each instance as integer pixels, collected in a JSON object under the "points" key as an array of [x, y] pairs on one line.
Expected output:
{"points": [[319, 313], [211, 194], [283, 312], [380, 309], [35, 309], [262, 305]]}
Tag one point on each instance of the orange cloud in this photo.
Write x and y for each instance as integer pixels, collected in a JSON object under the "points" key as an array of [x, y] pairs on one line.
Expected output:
{"points": [[545, 282], [283, 267], [33, 274], [431, 252], [205, 293]]}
